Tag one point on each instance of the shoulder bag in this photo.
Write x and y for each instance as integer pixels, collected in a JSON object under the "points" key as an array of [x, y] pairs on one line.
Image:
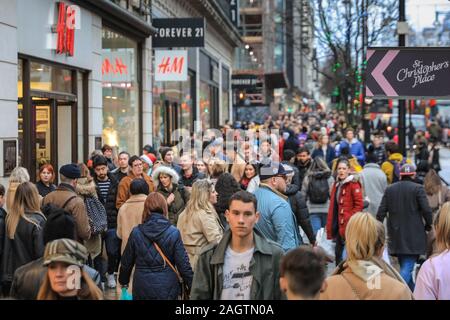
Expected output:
{"points": [[184, 288]]}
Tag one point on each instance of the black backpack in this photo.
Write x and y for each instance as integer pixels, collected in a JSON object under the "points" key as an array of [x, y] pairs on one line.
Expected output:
{"points": [[318, 189], [97, 215]]}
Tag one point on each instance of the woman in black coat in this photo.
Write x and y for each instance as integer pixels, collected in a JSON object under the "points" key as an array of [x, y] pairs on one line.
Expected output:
{"points": [[24, 240], [153, 278]]}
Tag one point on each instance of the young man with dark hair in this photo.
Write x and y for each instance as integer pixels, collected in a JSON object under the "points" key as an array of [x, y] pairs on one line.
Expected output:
{"points": [[302, 274], [243, 265], [167, 156], [303, 163], [123, 169], [136, 172], [107, 191]]}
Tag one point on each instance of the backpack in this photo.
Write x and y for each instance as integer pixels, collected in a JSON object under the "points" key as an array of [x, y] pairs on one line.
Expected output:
{"points": [[319, 189], [97, 215], [396, 172]]}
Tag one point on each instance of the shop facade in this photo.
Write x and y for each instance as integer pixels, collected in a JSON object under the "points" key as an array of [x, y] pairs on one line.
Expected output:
{"points": [[64, 94], [204, 101]]}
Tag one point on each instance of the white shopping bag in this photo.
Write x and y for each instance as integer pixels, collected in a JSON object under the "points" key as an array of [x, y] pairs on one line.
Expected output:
{"points": [[327, 245]]}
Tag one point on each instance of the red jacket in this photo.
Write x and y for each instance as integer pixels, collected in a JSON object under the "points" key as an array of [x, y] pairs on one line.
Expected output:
{"points": [[350, 202]]}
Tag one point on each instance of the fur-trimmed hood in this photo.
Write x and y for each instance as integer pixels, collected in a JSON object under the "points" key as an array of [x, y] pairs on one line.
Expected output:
{"points": [[165, 170], [85, 188]]}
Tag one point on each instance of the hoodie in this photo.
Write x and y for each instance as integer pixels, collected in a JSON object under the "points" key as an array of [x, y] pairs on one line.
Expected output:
{"points": [[153, 278]]}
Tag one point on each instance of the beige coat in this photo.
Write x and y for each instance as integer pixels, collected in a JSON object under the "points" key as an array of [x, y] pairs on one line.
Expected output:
{"points": [[347, 285], [129, 216], [197, 230]]}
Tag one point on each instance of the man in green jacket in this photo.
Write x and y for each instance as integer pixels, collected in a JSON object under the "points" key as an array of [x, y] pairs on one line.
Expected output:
{"points": [[243, 265]]}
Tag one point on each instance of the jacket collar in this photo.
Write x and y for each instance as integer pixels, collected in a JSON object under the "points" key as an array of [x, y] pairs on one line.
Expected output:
{"points": [[218, 256], [66, 187], [354, 140], [372, 165], [137, 198], [278, 193]]}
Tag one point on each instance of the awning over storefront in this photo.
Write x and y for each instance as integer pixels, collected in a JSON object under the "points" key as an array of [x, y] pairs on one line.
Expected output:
{"points": [[118, 17], [276, 80]]}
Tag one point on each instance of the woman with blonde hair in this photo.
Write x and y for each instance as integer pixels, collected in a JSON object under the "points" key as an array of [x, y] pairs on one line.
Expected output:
{"points": [[153, 248], [199, 223], [324, 149], [364, 275], [18, 175], [24, 237], [65, 258], [433, 280]]}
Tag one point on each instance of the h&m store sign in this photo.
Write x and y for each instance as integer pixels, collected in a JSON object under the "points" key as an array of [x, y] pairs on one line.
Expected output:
{"points": [[179, 33], [67, 21]]}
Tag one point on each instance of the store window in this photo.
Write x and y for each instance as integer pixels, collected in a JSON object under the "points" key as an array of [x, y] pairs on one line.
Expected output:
{"points": [[20, 110], [120, 91], [172, 109], [48, 78], [225, 95], [209, 91]]}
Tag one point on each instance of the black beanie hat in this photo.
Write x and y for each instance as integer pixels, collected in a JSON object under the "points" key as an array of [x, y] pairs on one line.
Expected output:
{"points": [[60, 224], [99, 161], [139, 186]]}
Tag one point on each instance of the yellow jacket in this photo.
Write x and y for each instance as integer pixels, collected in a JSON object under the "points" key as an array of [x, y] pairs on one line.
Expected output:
{"points": [[388, 167]]}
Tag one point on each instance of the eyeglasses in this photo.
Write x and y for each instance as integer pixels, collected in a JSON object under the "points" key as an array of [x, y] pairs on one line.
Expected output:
{"points": [[138, 165]]}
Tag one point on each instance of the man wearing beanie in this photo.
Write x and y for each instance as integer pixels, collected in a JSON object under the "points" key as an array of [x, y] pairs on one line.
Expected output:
{"points": [[107, 191], [28, 278], [66, 198]]}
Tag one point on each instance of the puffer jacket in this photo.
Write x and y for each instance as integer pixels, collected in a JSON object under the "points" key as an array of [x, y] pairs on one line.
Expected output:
{"points": [[110, 204], [350, 201], [27, 245], [28, 279], [153, 278], [300, 209], [178, 205]]}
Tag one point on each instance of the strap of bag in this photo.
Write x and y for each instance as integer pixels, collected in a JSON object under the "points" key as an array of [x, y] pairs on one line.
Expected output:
{"points": [[67, 202], [351, 286], [168, 261]]}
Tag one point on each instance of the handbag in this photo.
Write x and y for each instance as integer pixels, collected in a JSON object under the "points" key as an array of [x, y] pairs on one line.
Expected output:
{"points": [[184, 288]]}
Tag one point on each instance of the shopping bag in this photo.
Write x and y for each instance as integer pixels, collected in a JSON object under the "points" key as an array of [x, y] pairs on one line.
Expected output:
{"points": [[327, 245], [125, 295]]}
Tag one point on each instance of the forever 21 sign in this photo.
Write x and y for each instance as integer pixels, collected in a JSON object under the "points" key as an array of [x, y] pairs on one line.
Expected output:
{"points": [[179, 32]]}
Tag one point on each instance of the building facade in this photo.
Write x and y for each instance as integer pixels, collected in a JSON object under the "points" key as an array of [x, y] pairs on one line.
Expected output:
{"points": [[204, 101], [65, 91]]}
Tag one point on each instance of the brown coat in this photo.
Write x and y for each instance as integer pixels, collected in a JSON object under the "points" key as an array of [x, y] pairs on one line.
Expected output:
{"points": [[348, 286], [75, 207], [197, 230], [130, 216], [123, 191]]}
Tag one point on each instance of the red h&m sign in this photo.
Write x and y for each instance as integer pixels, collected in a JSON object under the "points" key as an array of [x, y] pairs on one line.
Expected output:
{"points": [[171, 65], [68, 16]]}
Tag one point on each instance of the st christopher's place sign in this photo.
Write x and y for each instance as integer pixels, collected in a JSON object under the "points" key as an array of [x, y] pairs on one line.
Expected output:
{"points": [[408, 73]]}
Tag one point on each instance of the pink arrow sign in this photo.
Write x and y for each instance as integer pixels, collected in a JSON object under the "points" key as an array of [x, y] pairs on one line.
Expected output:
{"points": [[379, 70]]}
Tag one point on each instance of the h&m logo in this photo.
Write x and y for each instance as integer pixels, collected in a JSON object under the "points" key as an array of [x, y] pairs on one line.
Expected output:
{"points": [[68, 21]]}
